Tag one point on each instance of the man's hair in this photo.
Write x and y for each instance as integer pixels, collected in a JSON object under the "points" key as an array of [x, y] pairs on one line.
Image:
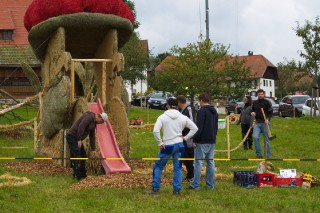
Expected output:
{"points": [[260, 90], [204, 97], [173, 103], [181, 99]]}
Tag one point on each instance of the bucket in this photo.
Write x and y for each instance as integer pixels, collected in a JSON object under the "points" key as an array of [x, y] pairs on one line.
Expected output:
{"points": [[222, 123]]}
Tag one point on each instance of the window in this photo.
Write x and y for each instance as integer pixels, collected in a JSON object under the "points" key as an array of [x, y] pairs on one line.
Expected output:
{"points": [[308, 103], [264, 83], [6, 35], [270, 94], [270, 84]]}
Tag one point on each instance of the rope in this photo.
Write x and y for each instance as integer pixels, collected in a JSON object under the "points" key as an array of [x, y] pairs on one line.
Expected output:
{"points": [[14, 126], [243, 140]]}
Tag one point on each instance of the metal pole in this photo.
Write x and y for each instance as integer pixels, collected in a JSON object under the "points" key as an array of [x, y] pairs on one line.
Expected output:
{"points": [[207, 20]]}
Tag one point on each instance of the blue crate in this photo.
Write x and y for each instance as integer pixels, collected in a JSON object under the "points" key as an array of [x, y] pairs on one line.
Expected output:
{"points": [[245, 178]]}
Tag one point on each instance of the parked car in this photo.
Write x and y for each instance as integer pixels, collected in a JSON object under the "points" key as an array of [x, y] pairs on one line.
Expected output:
{"points": [[140, 99], [291, 105], [236, 106], [275, 106], [231, 106], [158, 100], [306, 108]]}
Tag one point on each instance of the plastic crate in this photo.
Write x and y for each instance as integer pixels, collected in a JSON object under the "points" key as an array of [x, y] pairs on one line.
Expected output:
{"points": [[289, 181], [266, 180], [245, 178]]}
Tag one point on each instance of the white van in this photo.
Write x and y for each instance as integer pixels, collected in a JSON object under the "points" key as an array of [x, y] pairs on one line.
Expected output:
{"points": [[307, 107]]}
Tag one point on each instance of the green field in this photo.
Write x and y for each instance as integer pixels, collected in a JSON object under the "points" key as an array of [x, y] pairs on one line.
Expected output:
{"points": [[296, 138]]}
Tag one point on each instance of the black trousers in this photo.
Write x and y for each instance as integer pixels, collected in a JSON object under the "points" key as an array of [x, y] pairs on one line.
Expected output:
{"points": [[244, 130], [188, 153], [78, 166]]}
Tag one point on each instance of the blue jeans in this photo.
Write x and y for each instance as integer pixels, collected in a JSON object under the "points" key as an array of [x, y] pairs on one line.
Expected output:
{"points": [[175, 151], [203, 151], [261, 128]]}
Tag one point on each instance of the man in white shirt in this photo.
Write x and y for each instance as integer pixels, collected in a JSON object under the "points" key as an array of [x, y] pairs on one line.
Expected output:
{"points": [[172, 122]]}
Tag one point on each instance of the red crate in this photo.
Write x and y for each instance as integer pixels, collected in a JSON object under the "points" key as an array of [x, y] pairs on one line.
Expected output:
{"points": [[289, 181], [266, 180]]}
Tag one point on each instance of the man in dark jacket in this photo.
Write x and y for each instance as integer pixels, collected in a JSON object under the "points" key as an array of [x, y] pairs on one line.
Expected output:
{"points": [[188, 147], [204, 141], [260, 126], [84, 126]]}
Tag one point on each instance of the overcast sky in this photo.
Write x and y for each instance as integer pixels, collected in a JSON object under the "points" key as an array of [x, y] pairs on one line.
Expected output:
{"points": [[262, 26]]}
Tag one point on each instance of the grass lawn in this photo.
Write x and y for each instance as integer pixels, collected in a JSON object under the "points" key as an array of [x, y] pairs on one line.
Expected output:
{"points": [[296, 138]]}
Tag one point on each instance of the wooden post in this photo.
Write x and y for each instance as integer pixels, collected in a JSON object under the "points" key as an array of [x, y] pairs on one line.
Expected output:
{"points": [[64, 161], [35, 135], [228, 135], [72, 82], [40, 122], [104, 84]]}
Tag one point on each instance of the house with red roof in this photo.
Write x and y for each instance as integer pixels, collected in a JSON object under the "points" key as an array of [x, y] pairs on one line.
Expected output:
{"points": [[15, 49], [262, 73]]}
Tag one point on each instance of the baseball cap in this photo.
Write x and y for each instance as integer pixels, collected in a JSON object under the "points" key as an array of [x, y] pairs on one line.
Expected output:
{"points": [[104, 116], [172, 102]]}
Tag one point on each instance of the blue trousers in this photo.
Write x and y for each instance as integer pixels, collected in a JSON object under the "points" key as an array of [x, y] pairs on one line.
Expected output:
{"points": [[175, 151], [261, 128], [203, 151]]}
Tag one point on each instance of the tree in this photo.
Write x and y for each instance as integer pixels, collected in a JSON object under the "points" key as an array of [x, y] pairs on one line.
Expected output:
{"points": [[135, 55], [154, 62], [136, 60], [290, 74], [309, 34], [311, 43], [203, 67]]}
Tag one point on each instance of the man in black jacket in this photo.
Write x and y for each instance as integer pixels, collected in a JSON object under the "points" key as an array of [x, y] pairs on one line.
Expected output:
{"points": [[204, 141], [188, 147], [260, 126], [84, 126]]}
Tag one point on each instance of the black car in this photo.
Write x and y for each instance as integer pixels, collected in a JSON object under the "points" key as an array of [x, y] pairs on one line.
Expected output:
{"points": [[236, 106], [233, 106], [137, 101], [291, 105], [158, 100]]}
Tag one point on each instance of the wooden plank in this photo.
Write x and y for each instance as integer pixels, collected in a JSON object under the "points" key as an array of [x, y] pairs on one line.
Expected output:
{"points": [[92, 60], [72, 82], [104, 84]]}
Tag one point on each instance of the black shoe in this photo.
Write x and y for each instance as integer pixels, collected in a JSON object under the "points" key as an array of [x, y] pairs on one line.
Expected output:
{"points": [[188, 180], [152, 192], [259, 157], [191, 188], [176, 193]]}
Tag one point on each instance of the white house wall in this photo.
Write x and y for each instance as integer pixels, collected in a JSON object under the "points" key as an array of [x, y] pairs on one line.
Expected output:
{"points": [[268, 85], [139, 87]]}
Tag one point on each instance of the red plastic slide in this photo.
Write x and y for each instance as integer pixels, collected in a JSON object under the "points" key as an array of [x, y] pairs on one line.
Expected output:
{"points": [[108, 145]]}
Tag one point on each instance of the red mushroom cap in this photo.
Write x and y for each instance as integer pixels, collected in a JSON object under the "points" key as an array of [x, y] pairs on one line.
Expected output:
{"points": [[41, 10]]}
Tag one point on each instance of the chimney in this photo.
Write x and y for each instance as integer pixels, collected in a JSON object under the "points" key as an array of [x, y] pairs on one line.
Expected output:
{"points": [[250, 53]]}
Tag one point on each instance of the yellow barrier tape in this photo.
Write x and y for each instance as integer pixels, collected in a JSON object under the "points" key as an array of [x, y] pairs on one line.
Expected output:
{"points": [[293, 159]]}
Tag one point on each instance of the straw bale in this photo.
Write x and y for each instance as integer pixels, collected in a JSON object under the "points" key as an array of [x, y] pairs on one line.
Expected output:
{"points": [[55, 108], [53, 147], [125, 98], [84, 32], [120, 125], [86, 76], [32, 76]]}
